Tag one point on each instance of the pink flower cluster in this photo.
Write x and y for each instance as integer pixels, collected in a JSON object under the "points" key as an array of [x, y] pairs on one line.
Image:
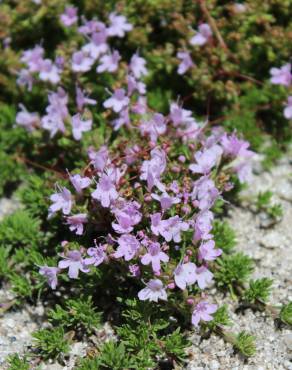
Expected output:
{"points": [[172, 247], [157, 190], [94, 53]]}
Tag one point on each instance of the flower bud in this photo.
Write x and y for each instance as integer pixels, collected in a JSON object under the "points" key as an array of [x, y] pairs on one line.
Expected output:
{"points": [[190, 301], [148, 198], [175, 169], [182, 158], [186, 209]]}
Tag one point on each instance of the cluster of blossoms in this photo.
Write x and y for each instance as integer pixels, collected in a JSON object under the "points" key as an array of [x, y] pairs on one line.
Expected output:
{"points": [[156, 186], [160, 210], [95, 53], [201, 37], [283, 76]]}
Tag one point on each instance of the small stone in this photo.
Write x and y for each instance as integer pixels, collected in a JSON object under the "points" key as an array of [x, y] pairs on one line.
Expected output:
{"points": [[288, 365], [78, 349], [272, 240], [214, 365], [267, 221], [288, 340], [10, 323], [284, 190]]}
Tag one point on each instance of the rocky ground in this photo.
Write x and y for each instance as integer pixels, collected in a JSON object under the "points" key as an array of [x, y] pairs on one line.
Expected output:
{"points": [[270, 247]]}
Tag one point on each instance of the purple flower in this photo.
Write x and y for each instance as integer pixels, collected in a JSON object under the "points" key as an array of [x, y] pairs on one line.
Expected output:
{"points": [[128, 247], [25, 79], [33, 58], [77, 222], [134, 85], [49, 72], [174, 226], [152, 169], [50, 273], [59, 61], [69, 17], [74, 262], [137, 66], [61, 201], [82, 99], [205, 192], [134, 270], [180, 116], [109, 62], [282, 75], [191, 131], [166, 201], [208, 252], [185, 275], [203, 225], [131, 154], [81, 62], [97, 45], [26, 119], [57, 112], [154, 290], [90, 27], [170, 229], [58, 103], [154, 256], [244, 171], [117, 101], [157, 226], [99, 159], [141, 106], [127, 216], [206, 160], [234, 147], [53, 123], [79, 126], [288, 108], [204, 277], [79, 182], [186, 62], [202, 312], [123, 119], [155, 127], [97, 255], [118, 25], [202, 36], [105, 191], [174, 187]]}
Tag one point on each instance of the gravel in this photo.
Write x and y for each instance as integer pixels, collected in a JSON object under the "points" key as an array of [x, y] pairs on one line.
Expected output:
{"points": [[269, 245]]}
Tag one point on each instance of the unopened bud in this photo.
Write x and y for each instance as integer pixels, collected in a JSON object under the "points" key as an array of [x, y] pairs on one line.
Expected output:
{"points": [[182, 158], [190, 301]]}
